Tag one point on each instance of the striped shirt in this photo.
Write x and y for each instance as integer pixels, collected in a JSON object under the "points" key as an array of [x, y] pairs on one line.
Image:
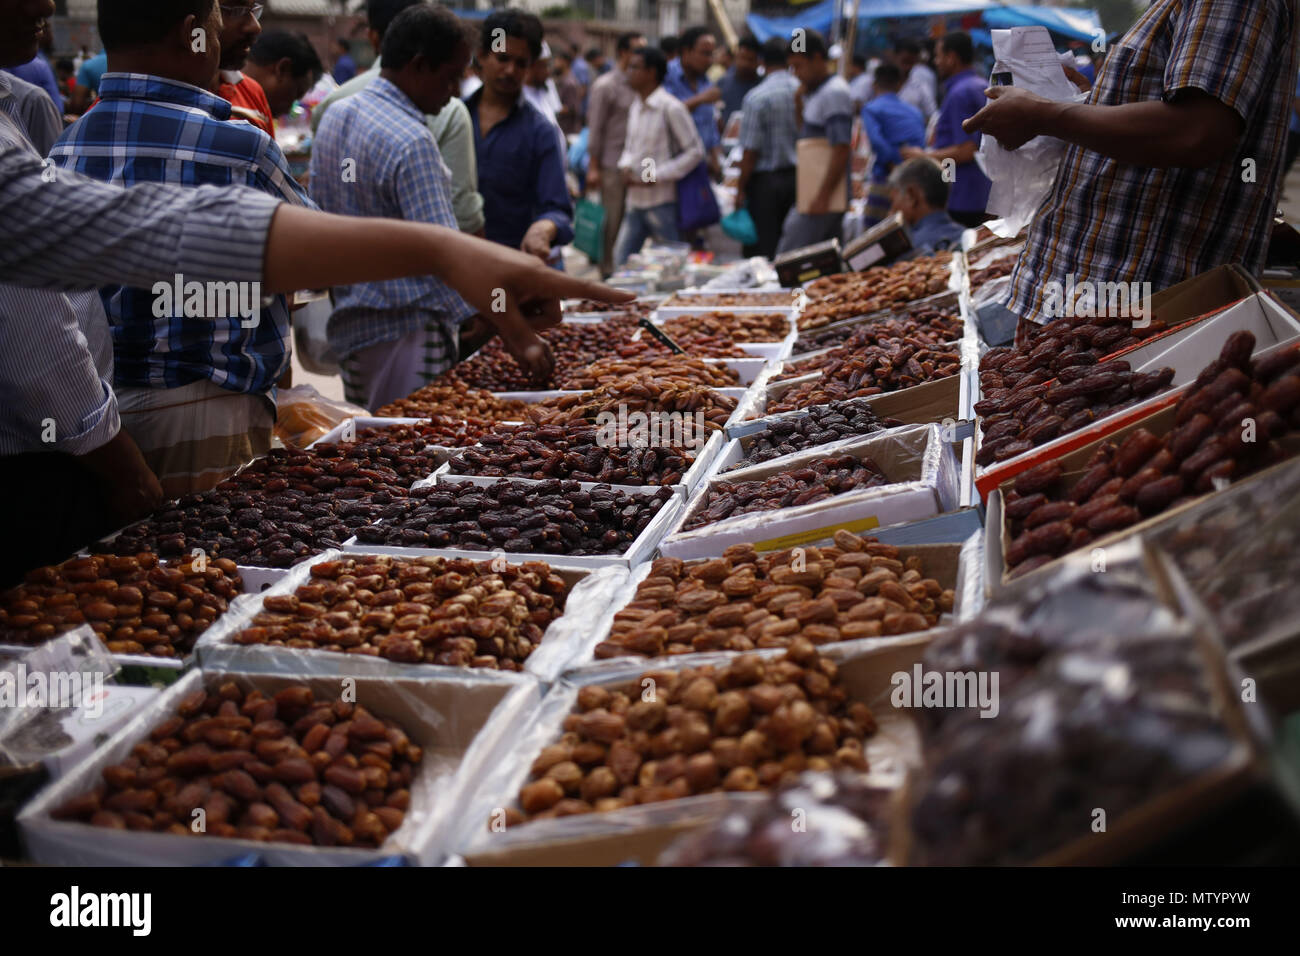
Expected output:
{"points": [[768, 124], [1107, 221], [151, 129], [374, 156], [67, 233]]}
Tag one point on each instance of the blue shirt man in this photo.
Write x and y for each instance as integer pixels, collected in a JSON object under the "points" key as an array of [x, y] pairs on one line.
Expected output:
{"points": [[38, 72], [891, 124], [704, 114], [963, 97], [92, 71]]}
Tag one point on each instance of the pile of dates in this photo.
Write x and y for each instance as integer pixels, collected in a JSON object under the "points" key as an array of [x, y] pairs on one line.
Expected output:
{"points": [[741, 601], [871, 370], [728, 300], [133, 603], [576, 451], [822, 424], [698, 344], [575, 344], [1042, 407], [409, 450], [285, 768], [280, 509], [636, 309], [646, 392], [736, 326], [850, 294], [454, 612], [822, 479], [607, 370], [549, 517], [1226, 426], [457, 401], [749, 725], [920, 326]]}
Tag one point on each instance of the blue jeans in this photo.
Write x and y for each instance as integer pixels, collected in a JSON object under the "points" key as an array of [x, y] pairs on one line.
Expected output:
{"points": [[655, 222]]}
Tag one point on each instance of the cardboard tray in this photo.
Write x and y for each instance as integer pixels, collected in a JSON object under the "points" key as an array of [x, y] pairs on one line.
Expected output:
{"points": [[1073, 463], [640, 550], [926, 483], [461, 725], [591, 594], [639, 832], [1187, 351], [953, 565]]}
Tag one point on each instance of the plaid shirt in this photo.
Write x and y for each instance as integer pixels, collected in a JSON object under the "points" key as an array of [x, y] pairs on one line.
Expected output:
{"points": [[1107, 221], [398, 173], [147, 129], [768, 124]]}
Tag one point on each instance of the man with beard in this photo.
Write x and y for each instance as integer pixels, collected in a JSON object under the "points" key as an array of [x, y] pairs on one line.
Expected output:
{"points": [[240, 28]]}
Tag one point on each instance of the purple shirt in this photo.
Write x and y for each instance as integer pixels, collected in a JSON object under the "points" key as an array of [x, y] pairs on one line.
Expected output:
{"points": [[963, 97]]}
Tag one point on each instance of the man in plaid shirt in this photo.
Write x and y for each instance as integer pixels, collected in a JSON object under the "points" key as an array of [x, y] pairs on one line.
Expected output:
{"points": [[769, 126], [193, 388], [374, 156], [1175, 161]]}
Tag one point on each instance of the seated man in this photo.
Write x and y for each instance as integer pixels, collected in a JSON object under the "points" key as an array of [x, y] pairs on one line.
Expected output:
{"points": [[193, 373], [394, 337], [921, 195]]}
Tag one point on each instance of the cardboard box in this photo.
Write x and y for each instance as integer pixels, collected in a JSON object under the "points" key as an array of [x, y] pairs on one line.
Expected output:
{"points": [[1073, 464], [950, 300], [881, 244], [1187, 351], [940, 400], [798, 266], [591, 593], [813, 159], [924, 482], [640, 832], [461, 725]]}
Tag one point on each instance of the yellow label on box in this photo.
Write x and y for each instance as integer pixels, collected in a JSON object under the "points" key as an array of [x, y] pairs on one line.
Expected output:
{"points": [[815, 534], [809, 274]]}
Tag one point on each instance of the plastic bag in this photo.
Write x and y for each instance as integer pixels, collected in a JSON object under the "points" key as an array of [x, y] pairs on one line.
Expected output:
{"points": [[589, 228], [310, 343], [739, 225], [304, 415], [1022, 177]]}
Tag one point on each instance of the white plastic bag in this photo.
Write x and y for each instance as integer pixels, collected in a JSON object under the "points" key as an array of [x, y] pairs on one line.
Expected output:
{"points": [[1022, 177]]}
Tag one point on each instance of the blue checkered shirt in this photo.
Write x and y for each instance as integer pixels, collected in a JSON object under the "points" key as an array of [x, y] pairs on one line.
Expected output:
{"points": [[374, 156], [768, 124], [147, 129]]}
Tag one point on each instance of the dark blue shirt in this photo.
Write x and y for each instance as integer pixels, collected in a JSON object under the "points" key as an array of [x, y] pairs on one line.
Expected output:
{"points": [[704, 115], [521, 174], [891, 124], [344, 69], [963, 97], [733, 92]]}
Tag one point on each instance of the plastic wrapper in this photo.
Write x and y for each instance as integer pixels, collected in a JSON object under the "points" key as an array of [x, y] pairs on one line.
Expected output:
{"points": [[459, 723], [925, 481], [589, 606], [822, 820], [864, 669], [303, 415], [1106, 701], [1022, 177]]}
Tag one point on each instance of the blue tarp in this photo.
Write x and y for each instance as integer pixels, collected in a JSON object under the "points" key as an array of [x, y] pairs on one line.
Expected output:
{"points": [[1075, 24]]}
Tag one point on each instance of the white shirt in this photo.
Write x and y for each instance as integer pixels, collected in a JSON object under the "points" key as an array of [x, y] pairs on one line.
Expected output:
{"points": [[657, 158], [545, 98], [921, 89]]}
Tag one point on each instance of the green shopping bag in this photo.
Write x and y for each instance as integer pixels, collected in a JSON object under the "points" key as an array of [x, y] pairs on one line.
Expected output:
{"points": [[739, 225], [589, 228]]}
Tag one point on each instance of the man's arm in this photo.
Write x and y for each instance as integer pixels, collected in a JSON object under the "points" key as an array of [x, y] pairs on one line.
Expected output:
{"points": [[748, 160], [710, 94], [596, 109], [885, 151], [456, 143], [1193, 131], [554, 223]]}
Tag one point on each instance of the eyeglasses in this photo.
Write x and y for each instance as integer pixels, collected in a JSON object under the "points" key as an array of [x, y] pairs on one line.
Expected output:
{"points": [[238, 13]]}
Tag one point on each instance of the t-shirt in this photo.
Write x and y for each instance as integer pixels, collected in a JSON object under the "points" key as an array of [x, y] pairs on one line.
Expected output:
{"points": [[963, 98], [247, 96], [92, 71]]}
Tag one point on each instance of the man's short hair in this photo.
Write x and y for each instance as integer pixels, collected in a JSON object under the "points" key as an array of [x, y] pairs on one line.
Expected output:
{"points": [[814, 44], [775, 52], [125, 24], [749, 42], [433, 32], [592, 55], [959, 44], [274, 45], [625, 41], [669, 46], [653, 60], [905, 45], [927, 175], [380, 13], [514, 23], [691, 36], [888, 75]]}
